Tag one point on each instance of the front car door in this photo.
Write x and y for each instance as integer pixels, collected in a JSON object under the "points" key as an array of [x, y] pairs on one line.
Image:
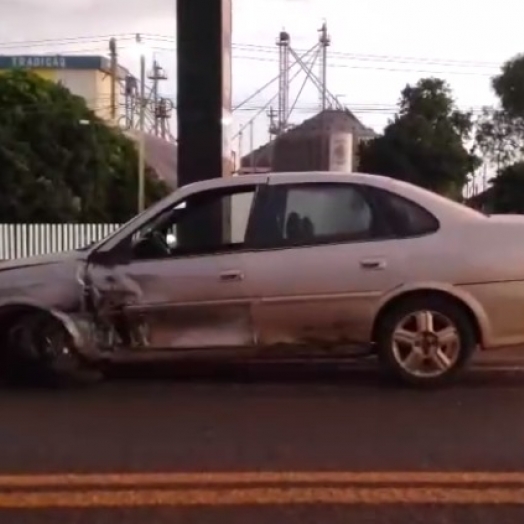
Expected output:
{"points": [[179, 290], [325, 259]]}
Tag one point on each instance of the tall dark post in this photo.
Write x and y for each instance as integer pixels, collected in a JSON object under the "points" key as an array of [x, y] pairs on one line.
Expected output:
{"points": [[204, 94], [204, 88]]}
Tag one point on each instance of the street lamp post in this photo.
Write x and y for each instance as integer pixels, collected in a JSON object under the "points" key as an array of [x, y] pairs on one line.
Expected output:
{"points": [[142, 118]]}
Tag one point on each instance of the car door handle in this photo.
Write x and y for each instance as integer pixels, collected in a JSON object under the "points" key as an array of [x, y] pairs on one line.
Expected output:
{"points": [[373, 263], [231, 276]]}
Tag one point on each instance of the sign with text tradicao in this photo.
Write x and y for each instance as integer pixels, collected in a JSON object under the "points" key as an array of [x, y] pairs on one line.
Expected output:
{"points": [[50, 62]]}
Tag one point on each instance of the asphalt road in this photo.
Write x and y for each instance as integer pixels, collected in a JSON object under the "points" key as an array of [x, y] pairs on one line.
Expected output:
{"points": [[321, 443]]}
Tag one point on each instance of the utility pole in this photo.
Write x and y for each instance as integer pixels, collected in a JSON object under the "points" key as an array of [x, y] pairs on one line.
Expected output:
{"points": [[142, 118], [114, 80], [325, 42], [130, 90], [283, 43], [156, 75], [163, 115]]}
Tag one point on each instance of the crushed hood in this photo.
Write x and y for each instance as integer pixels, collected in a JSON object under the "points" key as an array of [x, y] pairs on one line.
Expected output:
{"points": [[43, 260], [51, 281]]}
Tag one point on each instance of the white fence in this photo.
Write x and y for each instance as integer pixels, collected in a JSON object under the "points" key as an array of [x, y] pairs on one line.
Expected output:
{"points": [[25, 240]]}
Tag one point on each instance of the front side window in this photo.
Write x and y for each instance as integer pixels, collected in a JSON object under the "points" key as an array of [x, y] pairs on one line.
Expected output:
{"points": [[204, 223], [321, 213]]}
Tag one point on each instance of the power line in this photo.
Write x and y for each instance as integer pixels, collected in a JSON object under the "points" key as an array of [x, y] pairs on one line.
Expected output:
{"points": [[332, 65], [264, 49], [346, 65], [61, 41], [270, 101], [383, 58], [363, 57], [303, 108]]}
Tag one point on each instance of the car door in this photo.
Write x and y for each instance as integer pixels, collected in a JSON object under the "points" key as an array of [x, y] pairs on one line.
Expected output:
{"points": [[324, 261], [195, 296]]}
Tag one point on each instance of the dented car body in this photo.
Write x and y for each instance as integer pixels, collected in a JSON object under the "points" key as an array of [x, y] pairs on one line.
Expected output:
{"points": [[309, 260]]}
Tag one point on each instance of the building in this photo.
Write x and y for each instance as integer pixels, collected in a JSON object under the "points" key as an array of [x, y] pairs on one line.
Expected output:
{"points": [[87, 76], [328, 141], [91, 78]]}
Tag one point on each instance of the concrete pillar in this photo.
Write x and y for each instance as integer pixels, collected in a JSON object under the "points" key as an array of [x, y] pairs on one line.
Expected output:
{"points": [[204, 89]]}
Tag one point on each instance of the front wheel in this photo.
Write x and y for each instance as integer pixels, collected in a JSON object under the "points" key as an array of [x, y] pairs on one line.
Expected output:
{"points": [[425, 341], [40, 349]]}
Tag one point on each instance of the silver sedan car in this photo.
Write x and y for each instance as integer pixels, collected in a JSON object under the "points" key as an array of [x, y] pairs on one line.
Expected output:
{"points": [[271, 265]]}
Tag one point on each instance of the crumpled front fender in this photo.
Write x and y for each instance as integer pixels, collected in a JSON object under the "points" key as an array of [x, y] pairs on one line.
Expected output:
{"points": [[74, 326]]}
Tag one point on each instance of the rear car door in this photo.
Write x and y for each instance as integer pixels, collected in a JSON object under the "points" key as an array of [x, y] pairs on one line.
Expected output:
{"points": [[325, 259]]}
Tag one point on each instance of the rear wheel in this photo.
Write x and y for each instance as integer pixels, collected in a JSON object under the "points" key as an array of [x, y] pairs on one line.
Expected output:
{"points": [[425, 341], [40, 349]]}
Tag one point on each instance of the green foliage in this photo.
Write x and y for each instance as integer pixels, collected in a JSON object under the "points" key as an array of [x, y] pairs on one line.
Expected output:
{"points": [[509, 87], [507, 191], [59, 162], [500, 132], [499, 136], [424, 144]]}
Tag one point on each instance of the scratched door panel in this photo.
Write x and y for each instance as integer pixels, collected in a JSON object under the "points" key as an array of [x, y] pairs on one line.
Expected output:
{"points": [[186, 302], [320, 294], [321, 271]]}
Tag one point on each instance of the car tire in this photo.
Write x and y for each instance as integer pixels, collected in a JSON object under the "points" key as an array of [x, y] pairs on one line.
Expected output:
{"points": [[40, 351], [425, 341]]}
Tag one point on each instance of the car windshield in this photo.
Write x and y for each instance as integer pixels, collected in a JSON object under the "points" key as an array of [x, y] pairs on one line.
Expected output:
{"points": [[155, 208]]}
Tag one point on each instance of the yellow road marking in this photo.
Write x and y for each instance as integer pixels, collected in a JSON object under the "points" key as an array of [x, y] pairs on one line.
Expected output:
{"points": [[107, 490], [228, 478], [258, 496]]}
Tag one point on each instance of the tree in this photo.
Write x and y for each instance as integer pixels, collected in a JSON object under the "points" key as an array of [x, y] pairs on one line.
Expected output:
{"points": [[425, 142], [509, 87], [499, 136], [500, 132], [506, 194], [59, 161]]}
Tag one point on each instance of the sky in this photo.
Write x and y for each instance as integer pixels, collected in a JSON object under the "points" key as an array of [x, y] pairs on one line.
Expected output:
{"points": [[378, 46]]}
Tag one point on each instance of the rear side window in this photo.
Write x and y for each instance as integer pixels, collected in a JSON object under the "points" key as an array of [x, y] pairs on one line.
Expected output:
{"points": [[314, 214], [327, 212], [406, 218]]}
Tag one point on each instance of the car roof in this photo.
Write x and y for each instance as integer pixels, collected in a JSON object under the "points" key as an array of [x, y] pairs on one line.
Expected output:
{"points": [[443, 207], [447, 211]]}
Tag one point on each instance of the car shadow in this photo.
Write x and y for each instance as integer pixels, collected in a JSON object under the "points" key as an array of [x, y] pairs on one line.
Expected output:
{"points": [[361, 374], [355, 374]]}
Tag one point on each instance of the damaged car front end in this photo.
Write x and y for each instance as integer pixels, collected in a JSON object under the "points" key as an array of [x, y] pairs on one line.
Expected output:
{"points": [[65, 314], [62, 314], [45, 323]]}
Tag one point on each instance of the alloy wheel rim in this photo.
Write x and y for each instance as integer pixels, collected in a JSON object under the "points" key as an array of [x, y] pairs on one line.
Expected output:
{"points": [[426, 344]]}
